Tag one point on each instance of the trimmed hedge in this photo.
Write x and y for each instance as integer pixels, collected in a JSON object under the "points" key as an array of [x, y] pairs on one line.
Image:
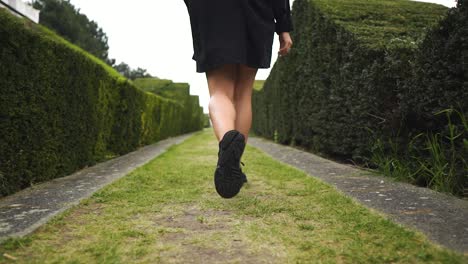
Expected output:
{"points": [[439, 81], [439, 75], [359, 70], [62, 109], [193, 114]]}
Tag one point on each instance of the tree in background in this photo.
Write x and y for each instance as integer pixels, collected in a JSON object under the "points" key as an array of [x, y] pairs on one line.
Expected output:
{"points": [[132, 74], [67, 21]]}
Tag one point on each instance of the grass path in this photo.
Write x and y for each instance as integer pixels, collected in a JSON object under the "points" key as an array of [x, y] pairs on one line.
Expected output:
{"points": [[168, 212]]}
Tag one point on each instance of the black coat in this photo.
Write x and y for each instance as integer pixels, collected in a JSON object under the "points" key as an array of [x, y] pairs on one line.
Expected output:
{"points": [[236, 31]]}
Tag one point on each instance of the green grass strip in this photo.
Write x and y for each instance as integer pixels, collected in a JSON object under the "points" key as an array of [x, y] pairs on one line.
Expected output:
{"points": [[168, 211], [258, 85]]}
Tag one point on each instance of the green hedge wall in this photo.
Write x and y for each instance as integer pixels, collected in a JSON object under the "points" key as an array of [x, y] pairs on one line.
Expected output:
{"points": [[340, 78], [180, 92], [439, 75], [439, 81], [360, 70], [62, 109]]}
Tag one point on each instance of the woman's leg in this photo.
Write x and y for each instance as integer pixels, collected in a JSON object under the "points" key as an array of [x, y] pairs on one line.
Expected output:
{"points": [[243, 99], [221, 84]]}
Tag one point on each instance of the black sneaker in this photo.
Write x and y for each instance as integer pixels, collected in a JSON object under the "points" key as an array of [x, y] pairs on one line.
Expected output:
{"points": [[239, 153], [244, 177], [228, 177]]}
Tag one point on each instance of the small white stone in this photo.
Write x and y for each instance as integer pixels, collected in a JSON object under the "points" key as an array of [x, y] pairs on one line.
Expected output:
{"points": [[367, 200], [381, 182], [37, 211], [5, 226]]}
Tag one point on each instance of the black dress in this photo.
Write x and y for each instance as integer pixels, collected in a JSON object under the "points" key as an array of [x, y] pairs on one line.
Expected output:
{"points": [[236, 31]]}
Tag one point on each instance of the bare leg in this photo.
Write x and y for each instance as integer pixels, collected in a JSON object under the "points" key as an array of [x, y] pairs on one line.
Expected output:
{"points": [[221, 84], [243, 99]]}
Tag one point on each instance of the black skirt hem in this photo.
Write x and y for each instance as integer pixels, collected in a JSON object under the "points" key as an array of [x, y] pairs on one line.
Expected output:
{"points": [[204, 68]]}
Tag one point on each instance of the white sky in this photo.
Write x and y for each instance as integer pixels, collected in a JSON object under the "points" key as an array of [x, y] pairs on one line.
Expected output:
{"points": [[156, 35]]}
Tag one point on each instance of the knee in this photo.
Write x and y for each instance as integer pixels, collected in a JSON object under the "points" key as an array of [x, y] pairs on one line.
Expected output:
{"points": [[243, 92], [220, 99], [244, 83], [221, 91]]}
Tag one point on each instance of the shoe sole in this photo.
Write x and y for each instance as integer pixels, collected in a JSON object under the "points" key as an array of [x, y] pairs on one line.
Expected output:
{"points": [[227, 184]]}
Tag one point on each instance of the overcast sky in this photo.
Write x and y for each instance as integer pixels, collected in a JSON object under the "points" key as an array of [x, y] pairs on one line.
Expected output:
{"points": [[156, 35]]}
